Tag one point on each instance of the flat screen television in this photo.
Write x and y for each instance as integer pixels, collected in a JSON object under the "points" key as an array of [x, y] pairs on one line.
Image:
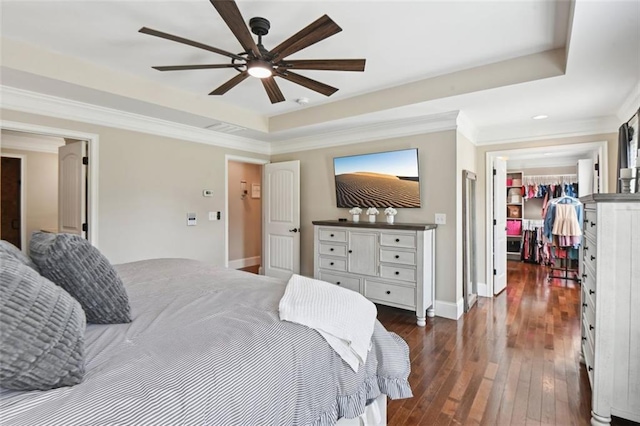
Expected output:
{"points": [[381, 179]]}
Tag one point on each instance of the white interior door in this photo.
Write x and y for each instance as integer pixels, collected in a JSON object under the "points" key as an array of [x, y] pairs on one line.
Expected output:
{"points": [[281, 242], [499, 225], [72, 188]]}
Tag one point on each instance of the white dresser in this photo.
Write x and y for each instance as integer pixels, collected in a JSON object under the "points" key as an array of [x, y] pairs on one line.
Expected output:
{"points": [[388, 264], [610, 307]]}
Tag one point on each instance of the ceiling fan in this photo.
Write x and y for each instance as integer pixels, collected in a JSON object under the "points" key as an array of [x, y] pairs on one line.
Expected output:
{"points": [[265, 64]]}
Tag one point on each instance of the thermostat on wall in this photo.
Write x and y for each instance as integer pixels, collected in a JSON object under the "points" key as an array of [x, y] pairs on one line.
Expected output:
{"points": [[207, 192]]}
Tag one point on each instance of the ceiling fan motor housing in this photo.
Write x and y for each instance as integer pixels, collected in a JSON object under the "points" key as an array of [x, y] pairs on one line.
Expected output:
{"points": [[259, 26]]}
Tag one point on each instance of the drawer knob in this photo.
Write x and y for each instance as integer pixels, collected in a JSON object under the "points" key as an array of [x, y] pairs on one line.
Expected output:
{"points": [[593, 257], [331, 249], [397, 272], [584, 304], [338, 283], [350, 251], [591, 327], [388, 291], [584, 275], [591, 291], [586, 248], [592, 224], [332, 235], [331, 264], [397, 256], [397, 240], [590, 368], [584, 338]]}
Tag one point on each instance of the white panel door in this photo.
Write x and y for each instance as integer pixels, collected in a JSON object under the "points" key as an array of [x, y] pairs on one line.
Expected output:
{"points": [[499, 225], [72, 188], [281, 252]]}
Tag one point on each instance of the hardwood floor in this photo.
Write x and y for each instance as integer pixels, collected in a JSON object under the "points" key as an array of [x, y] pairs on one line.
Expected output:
{"points": [[512, 360]]}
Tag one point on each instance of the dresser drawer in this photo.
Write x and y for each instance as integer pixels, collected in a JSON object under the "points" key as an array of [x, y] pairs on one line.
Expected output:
{"points": [[590, 322], [589, 285], [332, 235], [401, 273], [397, 256], [335, 264], [587, 352], [389, 293], [333, 249], [398, 240], [347, 282], [590, 253], [590, 223]]}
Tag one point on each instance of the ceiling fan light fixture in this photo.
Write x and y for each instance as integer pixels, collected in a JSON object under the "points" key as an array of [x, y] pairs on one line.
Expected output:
{"points": [[259, 68]]}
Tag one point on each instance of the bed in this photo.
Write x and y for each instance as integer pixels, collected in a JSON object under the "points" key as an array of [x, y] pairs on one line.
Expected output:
{"points": [[206, 347]]}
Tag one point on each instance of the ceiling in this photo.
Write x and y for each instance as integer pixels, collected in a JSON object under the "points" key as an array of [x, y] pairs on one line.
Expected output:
{"points": [[499, 62]]}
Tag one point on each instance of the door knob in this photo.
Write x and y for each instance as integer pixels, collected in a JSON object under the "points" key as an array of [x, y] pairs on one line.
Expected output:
{"points": [[294, 230]]}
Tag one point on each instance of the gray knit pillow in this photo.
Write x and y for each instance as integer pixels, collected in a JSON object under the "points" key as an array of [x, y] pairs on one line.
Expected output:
{"points": [[41, 331], [74, 264], [13, 251]]}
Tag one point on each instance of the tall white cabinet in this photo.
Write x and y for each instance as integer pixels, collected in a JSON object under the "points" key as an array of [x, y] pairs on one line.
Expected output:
{"points": [[610, 300], [388, 264]]}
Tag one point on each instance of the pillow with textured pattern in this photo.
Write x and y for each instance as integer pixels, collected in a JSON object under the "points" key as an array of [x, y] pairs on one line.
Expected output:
{"points": [[71, 262], [13, 251], [41, 331]]}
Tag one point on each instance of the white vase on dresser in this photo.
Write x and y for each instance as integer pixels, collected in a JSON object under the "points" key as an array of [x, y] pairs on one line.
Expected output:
{"points": [[388, 264], [610, 305]]}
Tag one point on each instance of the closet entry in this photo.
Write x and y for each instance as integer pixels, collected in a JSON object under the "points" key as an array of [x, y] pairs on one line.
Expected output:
{"points": [[544, 221]]}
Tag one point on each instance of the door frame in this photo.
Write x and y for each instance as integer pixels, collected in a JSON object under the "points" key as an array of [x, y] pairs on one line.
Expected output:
{"points": [[93, 141], [239, 159], [599, 147], [23, 198]]}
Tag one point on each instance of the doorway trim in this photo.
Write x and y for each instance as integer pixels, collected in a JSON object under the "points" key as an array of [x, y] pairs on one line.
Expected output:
{"points": [[93, 172], [239, 159], [23, 198], [599, 147]]}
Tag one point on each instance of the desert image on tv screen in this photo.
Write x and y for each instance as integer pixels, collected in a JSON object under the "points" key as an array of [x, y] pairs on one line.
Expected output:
{"points": [[385, 179]]}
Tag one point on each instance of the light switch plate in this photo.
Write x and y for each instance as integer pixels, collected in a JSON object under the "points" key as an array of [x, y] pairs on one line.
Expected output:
{"points": [[441, 219], [191, 219], [213, 216]]}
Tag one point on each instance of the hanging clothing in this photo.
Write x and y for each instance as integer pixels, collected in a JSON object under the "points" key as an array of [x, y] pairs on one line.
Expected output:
{"points": [[566, 221]]}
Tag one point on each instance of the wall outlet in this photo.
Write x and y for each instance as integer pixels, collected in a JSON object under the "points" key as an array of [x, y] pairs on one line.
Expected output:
{"points": [[441, 219]]}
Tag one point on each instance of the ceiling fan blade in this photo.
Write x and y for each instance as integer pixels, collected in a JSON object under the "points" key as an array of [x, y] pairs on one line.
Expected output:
{"points": [[325, 64], [309, 83], [270, 85], [318, 30], [228, 10], [183, 40], [230, 84], [194, 67]]}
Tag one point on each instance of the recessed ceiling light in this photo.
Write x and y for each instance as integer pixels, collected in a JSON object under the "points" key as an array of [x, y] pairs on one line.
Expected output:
{"points": [[540, 117]]}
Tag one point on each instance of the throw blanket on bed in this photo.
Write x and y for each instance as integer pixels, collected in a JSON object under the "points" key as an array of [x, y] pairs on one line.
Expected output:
{"points": [[207, 347], [343, 317]]}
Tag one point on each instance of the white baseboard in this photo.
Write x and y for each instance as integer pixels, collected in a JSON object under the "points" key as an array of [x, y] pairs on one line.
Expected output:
{"points": [[243, 263], [449, 310], [483, 290]]}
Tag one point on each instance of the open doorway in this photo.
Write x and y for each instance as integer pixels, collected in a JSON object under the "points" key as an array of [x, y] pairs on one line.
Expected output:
{"points": [[530, 179], [59, 192], [29, 185], [244, 214]]}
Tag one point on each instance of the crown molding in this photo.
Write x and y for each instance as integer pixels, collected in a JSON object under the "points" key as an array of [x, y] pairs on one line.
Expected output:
{"points": [[369, 132], [467, 128], [505, 134], [37, 103]]}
